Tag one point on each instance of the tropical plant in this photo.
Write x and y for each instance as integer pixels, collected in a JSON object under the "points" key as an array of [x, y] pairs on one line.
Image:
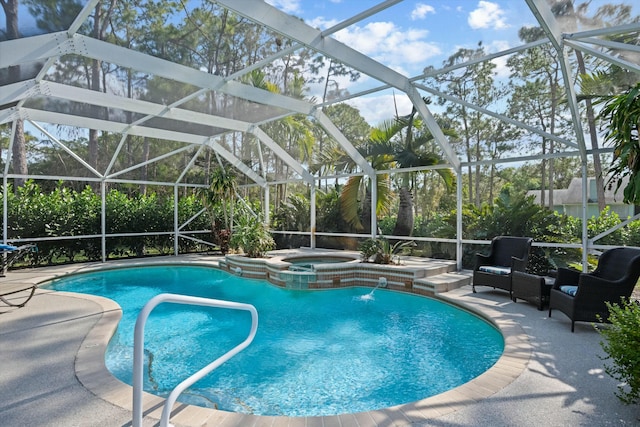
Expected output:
{"points": [[516, 214], [606, 221], [382, 250], [390, 250], [623, 115], [399, 143], [368, 248], [251, 236], [294, 215], [219, 196], [622, 345]]}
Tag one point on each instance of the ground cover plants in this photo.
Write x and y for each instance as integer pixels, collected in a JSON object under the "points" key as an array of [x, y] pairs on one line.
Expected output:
{"points": [[63, 212]]}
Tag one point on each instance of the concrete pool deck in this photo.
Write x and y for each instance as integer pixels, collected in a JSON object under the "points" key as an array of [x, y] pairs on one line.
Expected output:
{"points": [[53, 371]]}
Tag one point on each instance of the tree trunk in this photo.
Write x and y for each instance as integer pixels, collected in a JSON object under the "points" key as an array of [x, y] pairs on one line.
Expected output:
{"points": [[492, 176], [100, 24], [593, 135], [145, 168], [543, 174], [19, 153], [404, 222], [477, 183], [552, 130], [94, 84], [467, 143], [365, 218], [552, 173], [416, 209]]}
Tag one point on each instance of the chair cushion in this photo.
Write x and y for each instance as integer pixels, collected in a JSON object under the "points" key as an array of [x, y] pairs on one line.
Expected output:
{"points": [[502, 271], [569, 289]]}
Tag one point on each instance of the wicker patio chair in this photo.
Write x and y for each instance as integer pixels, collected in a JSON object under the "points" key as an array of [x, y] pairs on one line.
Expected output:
{"points": [[507, 254], [582, 296]]}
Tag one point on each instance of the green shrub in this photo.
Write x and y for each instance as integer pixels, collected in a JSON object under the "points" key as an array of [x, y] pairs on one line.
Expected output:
{"points": [[294, 214], [633, 233], [252, 236], [603, 222], [622, 346]]}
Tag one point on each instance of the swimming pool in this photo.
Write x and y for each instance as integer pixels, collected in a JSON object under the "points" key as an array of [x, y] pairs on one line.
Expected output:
{"points": [[316, 352]]}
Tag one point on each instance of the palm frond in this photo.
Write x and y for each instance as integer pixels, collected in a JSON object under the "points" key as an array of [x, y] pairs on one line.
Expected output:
{"points": [[383, 186], [596, 85], [385, 131], [349, 202]]}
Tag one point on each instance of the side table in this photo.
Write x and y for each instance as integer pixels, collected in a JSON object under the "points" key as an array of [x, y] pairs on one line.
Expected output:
{"points": [[532, 288]]}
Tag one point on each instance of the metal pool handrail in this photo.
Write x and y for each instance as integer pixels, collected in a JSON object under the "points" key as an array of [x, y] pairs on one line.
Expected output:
{"points": [[138, 350]]}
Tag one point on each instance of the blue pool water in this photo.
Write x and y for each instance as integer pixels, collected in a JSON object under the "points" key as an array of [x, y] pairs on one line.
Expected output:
{"points": [[315, 353]]}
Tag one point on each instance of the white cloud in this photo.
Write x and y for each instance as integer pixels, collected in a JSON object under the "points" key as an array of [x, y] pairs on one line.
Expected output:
{"points": [[366, 39], [389, 44], [487, 15], [287, 6], [421, 11], [501, 70], [376, 109], [322, 23]]}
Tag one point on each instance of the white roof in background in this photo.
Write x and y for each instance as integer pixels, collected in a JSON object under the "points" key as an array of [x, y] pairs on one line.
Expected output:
{"points": [[573, 194]]}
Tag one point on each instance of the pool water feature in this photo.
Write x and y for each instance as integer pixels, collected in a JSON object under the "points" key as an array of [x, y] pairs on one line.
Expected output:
{"points": [[382, 283], [297, 278], [316, 352]]}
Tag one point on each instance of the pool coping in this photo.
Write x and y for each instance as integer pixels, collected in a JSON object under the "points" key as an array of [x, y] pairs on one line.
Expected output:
{"points": [[92, 373]]}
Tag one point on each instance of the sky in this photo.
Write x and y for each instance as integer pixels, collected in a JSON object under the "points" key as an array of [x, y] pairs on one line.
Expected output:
{"points": [[414, 34]]}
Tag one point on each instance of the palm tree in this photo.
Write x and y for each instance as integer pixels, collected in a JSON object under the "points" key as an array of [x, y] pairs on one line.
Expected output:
{"points": [[398, 143], [219, 196], [355, 195]]}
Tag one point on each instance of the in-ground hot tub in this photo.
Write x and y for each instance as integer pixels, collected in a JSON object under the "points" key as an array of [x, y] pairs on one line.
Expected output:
{"points": [[302, 268], [325, 269], [308, 263]]}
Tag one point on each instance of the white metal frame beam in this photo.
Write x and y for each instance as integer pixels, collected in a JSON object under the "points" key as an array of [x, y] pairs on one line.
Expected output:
{"points": [[297, 30], [282, 154], [599, 54], [549, 24], [96, 49], [43, 51], [498, 116], [107, 126]]}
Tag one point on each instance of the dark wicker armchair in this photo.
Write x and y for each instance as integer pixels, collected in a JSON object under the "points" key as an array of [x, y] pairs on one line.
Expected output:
{"points": [[507, 254], [582, 296]]}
